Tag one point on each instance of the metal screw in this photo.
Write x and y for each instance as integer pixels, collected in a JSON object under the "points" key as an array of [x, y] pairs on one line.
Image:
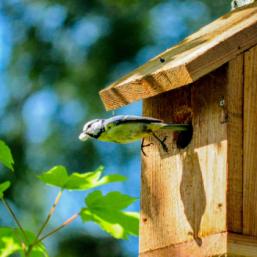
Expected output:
{"points": [[222, 102]]}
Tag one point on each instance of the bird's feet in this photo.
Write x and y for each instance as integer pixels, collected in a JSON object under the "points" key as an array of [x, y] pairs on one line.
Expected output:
{"points": [[143, 146], [162, 142], [164, 146]]}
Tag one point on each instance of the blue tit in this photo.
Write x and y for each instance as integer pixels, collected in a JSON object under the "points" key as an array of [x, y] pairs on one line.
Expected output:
{"points": [[124, 129]]}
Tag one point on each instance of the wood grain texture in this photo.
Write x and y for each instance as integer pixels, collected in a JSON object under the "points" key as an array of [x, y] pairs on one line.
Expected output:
{"points": [[212, 246], [250, 143], [234, 108], [216, 245], [196, 56], [184, 193], [162, 218], [241, 245]]}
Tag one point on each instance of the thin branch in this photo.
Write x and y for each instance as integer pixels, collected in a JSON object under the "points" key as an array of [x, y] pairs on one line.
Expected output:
{"points": [[29, 250], [51, 212], [64, 224], [23, 245], [9, 209]]}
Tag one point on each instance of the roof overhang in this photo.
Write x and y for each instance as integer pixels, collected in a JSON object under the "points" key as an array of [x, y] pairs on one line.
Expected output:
{"points": [[196, 56]]}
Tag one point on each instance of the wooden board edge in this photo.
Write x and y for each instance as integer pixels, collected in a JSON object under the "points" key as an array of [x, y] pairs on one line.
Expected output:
{"points": [[119, 95], [241, 245], [242, 40], [154, 82], [234, 109], [250, 141], [212, 245], [216, 245]]}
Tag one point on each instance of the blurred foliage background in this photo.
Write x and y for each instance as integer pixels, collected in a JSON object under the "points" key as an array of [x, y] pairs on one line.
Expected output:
{"points": [[55, 55]]}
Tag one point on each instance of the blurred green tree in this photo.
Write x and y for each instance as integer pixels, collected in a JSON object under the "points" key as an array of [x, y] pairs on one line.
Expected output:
{"points": [[56, 55], [87, 246]]}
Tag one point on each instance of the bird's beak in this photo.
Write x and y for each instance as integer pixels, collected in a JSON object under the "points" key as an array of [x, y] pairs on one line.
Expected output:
{"points": [[83, 136]]}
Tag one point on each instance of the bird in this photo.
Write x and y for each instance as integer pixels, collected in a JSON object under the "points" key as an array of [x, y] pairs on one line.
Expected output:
{"points": [[239, 3], [125, 129]]}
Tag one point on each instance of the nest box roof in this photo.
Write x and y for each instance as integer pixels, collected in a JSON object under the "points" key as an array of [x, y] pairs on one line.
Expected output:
{"points": [[196, 56]]}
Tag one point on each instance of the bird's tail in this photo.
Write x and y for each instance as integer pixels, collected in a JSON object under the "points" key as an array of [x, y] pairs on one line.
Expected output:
{"points": [[177, 127], [171, 126]]}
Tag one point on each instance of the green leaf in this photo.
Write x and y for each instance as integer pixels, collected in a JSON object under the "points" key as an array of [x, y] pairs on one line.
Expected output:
{"points": [[113, 200], [107, 212], [6, 156], [12, 240], [3, 187], [9, 243], [58, 176]]}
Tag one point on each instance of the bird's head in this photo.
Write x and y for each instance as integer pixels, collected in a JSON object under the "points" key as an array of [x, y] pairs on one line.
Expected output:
{"points": [[91, 129]]}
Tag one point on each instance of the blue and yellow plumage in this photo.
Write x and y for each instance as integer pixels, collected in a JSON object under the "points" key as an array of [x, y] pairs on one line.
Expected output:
{"points": [[126, 129]]}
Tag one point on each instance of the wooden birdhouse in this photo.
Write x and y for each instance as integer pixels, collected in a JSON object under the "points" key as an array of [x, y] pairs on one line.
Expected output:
{"points": [[200, 198]]}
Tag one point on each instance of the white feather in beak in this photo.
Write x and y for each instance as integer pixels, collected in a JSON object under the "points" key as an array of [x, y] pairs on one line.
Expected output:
{"points": [[83, 136]]}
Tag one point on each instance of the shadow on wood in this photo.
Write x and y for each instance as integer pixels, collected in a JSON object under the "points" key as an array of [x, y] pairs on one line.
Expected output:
{"points": [[192, 193]]}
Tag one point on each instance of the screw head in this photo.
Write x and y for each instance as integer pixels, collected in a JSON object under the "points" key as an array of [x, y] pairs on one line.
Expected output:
{"points": [[222, 102]]}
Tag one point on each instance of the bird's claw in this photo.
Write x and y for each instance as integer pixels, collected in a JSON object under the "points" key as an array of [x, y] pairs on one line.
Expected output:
{"points": [[162, 142], [143, 146], [164, 146]]}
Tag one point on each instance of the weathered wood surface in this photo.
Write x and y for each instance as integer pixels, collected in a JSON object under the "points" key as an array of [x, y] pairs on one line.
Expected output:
{"points": [[241, 245], [212, 246], [234, 107], [217, 245], [250, 144], [184, 194], [196, 56]]}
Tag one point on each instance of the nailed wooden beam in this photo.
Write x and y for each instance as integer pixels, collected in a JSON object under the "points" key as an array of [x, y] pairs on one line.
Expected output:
{"points": [[196, 56]]}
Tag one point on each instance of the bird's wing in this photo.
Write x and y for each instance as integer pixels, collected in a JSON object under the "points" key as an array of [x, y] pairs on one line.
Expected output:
{"points": [[123, 119]]}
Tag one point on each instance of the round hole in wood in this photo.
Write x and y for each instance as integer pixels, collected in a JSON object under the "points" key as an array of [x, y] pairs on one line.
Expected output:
{"points": [[184, 138]]}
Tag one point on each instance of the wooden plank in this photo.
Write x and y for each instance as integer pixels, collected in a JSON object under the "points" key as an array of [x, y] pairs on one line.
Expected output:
{"points": [[162, 217], [210, 144], [218, 245], [234, 108], [241, 246], [250, 143], [212, 245], [196, 56], [184, 194]]}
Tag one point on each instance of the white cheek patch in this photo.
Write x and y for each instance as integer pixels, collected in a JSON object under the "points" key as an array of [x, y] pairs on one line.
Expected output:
{"points": [[95, 126]]}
